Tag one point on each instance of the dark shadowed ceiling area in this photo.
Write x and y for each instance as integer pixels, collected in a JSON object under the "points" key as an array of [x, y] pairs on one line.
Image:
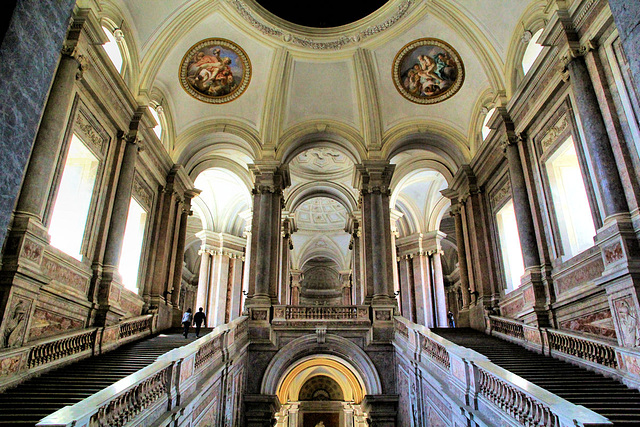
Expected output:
{"points": [[321, 14]]}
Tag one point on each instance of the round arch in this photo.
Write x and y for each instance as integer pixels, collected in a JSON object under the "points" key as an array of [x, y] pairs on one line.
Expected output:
{"points": [[321, 134], [310, 190], [336, 347]]}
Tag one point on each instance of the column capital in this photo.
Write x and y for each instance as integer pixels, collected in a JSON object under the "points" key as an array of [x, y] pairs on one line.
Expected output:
{"points": [[269, 176], [373, 176]]}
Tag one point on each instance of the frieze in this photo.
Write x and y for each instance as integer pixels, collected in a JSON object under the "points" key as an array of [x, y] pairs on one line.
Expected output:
{"points": [[308, 43], [498, 197], [65, 275], [551, 136], [89, 132], [142, 193]]}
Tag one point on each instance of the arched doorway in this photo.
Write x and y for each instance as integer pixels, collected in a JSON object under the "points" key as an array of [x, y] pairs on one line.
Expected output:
{"points": [[321, 391]]}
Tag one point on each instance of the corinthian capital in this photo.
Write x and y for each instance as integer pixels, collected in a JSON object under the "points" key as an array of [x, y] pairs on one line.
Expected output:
{"points": [[373, 176]]}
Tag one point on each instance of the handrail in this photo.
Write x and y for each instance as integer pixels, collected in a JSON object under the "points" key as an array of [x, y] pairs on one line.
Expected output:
{"points": [[314, 312], [508, 394], [121, 402]]}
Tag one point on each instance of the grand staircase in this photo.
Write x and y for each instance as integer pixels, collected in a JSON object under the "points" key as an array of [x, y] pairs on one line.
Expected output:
{"points": [[603, 395], [38, 397]]}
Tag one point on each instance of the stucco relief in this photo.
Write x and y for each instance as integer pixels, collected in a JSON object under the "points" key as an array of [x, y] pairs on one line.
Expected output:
{"points": [[612, 253], [32, 251], [15, 322], [46, 323], [627, 317]]}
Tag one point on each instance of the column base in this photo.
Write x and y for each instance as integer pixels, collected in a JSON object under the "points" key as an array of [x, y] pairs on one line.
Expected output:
{"points": [[382, 409], [260, 409]]}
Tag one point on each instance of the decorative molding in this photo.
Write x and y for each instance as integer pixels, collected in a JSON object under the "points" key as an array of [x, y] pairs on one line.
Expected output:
{"points": [[142, 192], [554, 132], [500, 195], [308, 43]]}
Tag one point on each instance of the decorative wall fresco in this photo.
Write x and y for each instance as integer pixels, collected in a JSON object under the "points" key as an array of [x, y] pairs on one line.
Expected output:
{"points": [[215, 71], [428, 71]]}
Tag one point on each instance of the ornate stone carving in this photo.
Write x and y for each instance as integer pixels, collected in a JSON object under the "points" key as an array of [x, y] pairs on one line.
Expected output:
{"points": [[554, 132], [502, 194], [89, 132], [142, 192], [627, 317], [16, 322], [336, 44]]}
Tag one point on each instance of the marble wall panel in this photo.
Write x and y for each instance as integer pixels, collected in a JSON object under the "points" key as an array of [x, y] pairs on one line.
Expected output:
{"points": [[45, 323], [579, 276], [37, 30], [627, 18], [598, 323]]}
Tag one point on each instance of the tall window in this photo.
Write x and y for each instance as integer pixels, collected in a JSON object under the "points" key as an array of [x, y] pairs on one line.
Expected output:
{"points": [[570, 201], [113, 50], [132, 245], [510, 245], [486, 130], [71, 208], [158, 127], [532, 51]]}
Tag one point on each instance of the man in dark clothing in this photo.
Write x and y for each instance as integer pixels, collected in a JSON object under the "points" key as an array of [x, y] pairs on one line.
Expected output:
{"points": [[199, 319]]}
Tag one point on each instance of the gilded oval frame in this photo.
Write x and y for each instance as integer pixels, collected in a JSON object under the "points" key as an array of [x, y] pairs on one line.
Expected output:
{"points": [[427, 90], [215, 92]]}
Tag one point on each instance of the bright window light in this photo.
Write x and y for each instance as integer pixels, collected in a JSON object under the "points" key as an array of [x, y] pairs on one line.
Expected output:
{"points": [[158, 128], [132, 246], [532, 52], [71, 207], [510, 245], [570, 200], [486, 130], [113, 50]]}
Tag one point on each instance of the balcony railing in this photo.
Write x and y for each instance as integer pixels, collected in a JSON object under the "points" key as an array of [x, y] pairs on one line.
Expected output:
{"points": [[302, 313]]}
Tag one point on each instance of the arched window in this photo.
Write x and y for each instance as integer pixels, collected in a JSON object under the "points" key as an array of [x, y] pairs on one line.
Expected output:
{"points": [[532, 51], [157, 128], [512, 261], [486, 130], [113, 50]]}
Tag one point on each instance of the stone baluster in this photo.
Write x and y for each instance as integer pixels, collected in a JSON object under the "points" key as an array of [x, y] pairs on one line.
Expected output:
{"points": [[270, 180]]}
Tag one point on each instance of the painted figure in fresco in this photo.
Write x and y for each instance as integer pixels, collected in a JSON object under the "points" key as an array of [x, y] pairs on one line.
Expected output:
{"points": [[211, 74], [433, 73]]}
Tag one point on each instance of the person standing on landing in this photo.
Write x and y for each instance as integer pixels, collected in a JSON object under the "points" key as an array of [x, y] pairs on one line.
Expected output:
{"points": [[186, 322], [199, 319]]}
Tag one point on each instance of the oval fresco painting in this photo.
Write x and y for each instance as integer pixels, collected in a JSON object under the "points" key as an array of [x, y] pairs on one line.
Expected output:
{"points": [[215, 71], [427, 71]]}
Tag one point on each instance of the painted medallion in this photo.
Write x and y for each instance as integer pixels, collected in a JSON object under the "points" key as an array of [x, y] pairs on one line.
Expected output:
{"points": [[215, 71], [428, 71]]}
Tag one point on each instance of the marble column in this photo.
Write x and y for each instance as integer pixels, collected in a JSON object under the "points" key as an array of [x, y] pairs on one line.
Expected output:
{"points": [[596, 137], [345, 284], [296, 278], [626, 15], [182, 236], [372, 178], [247, 216], [106, 313], [34, 195], [395, 216], [356, 261], [163, 242], [463, 315], [286, 247], [202, 296], [417, 289], [440, 295], [270, 180], [524, 219], [235, 279], [407, 302]]}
